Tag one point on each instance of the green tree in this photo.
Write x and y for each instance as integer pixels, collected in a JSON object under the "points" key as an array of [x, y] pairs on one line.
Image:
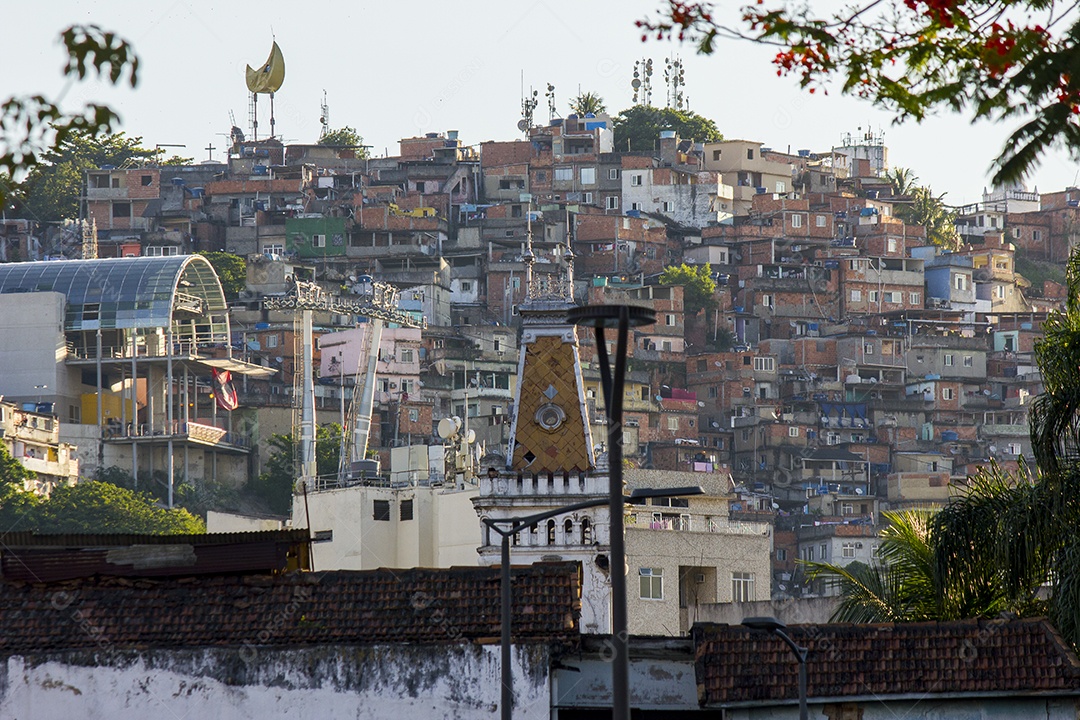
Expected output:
{"points": [[231, 270], [587, 102], [901, 181], [997, 59], [345, 137], [276, 483], [907, 584], [932, 213], [31, 126], [99, 507], [637, 128], [53, 186], [697, 281]]}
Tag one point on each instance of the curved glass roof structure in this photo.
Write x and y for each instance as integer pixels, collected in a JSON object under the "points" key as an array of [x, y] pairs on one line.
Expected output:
{"points": [[113, 293]]}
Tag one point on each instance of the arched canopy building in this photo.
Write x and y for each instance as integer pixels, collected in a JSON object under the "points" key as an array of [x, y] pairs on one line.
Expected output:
{"points": [[127, 346]]}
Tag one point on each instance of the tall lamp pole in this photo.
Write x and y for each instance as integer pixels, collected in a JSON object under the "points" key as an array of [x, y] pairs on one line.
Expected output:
{"points": [[775, 627], [613, 380], [515, 525]]}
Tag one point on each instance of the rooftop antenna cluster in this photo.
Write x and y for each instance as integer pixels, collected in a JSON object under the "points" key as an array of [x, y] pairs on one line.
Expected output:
{"points": [[528, 106], [550, 95], [324, 116], [642, 82], [675, 79]]}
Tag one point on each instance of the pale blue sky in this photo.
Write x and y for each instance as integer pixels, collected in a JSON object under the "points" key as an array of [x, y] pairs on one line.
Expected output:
{"points": [[400, 69]]}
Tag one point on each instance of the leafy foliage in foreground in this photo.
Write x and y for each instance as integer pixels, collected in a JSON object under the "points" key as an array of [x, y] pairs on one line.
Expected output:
{"points": [[997, 59]]}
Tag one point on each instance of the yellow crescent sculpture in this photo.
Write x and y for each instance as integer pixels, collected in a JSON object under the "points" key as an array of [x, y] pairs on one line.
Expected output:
{"points": [[269, 77]]}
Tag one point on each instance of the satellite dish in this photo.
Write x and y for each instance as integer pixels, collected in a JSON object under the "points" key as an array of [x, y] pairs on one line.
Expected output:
{"points": [[471, 437], [715, 424], [635, 83], [448, 427], [523, 125], [719, 364], [858, 491], [700, 404]]}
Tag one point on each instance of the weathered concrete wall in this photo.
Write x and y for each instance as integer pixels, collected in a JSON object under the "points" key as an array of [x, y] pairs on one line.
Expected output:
{"points": [[448, 681], [790, 612]]}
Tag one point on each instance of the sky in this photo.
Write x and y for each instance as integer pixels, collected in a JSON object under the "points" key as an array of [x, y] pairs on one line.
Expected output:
{"points": [[401, 69]]}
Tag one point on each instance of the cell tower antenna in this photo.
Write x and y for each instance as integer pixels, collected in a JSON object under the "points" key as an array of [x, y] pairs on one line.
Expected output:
{"points": [[324, 117]]}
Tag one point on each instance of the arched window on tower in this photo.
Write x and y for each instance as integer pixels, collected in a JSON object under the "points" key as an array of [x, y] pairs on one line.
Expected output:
{"points": [[568, 531], [586, 532], [551, 532]]}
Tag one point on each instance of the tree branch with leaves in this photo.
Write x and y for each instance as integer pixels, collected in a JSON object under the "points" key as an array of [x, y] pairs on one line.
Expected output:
{"points": [[996, 59]]}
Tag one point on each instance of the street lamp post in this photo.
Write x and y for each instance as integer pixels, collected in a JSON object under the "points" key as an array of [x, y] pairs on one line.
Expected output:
{"points": [[775, 627], [613, 380], [516, 525]]}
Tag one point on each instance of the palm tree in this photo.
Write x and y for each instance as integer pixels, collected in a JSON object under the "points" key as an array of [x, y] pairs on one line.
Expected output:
{"points": [[907, 585], [901, 181], [1026, 526], [932, 213], [587, 102]]}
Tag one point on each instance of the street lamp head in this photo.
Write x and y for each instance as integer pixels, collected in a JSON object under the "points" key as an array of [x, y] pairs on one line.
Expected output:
{"points": [[642, 493], [769, 624], [605, 316]]}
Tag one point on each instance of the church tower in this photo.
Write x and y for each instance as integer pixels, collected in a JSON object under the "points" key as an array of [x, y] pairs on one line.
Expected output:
{"points": [[551, 461]]}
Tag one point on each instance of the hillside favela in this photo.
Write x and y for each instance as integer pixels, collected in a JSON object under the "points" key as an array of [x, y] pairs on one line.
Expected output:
{"points": [[614, 416]]}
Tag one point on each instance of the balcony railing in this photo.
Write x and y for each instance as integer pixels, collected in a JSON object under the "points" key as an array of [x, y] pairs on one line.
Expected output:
{"points": [[197, 432]]}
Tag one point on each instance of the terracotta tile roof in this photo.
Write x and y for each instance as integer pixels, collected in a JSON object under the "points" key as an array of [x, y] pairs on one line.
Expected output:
{"points": [[418, 606], [736, 665]]}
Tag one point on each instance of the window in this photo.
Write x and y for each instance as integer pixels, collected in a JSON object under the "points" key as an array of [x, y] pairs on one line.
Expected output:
{"points": [[819, 220], [767, 300], [716, 155], [651, 583], [749, 153], [832, 438], [613, 174], [968, 361], [913, 298], [868, 348], [318, 241], [588, 176], [960, 282], [948, 359], [894, 296], [890, 245], [271, 341], [856, 296], [611, 202], [274, 249], [764, 364], [635, 206], [667, 206], [564, 173], [872, 296], [673, 422], [742, 587], [670, 320], [796, 221], [847, 509], [146, 180], [1036, 235], [793, 431], [586, 198], [406, 510], [947, 394], [162, 250], [999, 291], [824, 552], [781, 554], [414, 415], [121, 209], [847, 551], [809, 553], [1015, 448], [382, 509], [635, 180]]}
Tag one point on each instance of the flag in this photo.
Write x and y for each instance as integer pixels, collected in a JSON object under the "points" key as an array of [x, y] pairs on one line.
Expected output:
{"points": [[224, 392]]}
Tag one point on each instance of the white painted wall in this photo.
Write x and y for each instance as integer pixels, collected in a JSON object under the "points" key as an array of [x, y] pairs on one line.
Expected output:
{"points": [[438, 681]]}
